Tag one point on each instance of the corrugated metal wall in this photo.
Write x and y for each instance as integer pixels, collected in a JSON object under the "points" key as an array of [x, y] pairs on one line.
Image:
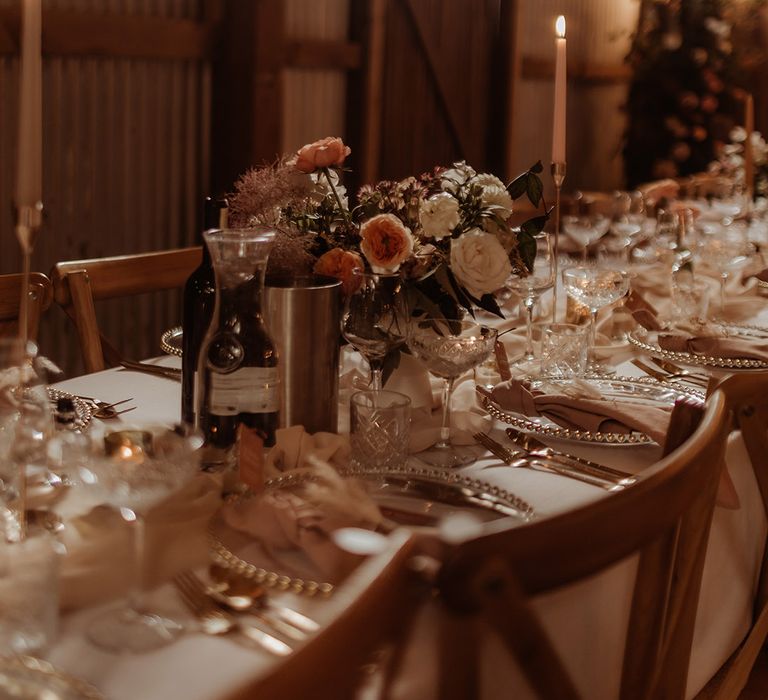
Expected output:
{"points": [[598, 31], [313, 100], [125, 167]]}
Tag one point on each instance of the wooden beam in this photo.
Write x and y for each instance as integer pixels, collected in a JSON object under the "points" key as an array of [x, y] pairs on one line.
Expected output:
{"points": [[591, 73], [511, 60], [322, 54], [75, 33]]}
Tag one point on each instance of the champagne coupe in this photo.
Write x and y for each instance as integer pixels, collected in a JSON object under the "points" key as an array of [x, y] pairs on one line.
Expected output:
{"points": [[585, 230], [375, 320], [449, 348], [140, 471], [595, 287], [532, 286]]}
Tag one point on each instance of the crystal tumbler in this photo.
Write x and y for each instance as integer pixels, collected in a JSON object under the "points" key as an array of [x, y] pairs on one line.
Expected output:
{"points": [[380, 426]]}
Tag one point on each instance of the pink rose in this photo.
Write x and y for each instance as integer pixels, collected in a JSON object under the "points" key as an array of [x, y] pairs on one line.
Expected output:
{"points": [[325, 153], [386, 243], [341, 264]]}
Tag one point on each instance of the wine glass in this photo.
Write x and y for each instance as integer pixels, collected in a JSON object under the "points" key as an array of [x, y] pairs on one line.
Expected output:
{"points": [[586, 229], [534, 284], [375, 320], [726, 250], [449, 348], [139, 471], [595, 287], [26, 424]]}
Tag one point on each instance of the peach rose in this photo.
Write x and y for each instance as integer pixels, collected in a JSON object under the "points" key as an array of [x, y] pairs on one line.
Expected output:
{"points": [[325, 153], [341, 264], [386, 243]]}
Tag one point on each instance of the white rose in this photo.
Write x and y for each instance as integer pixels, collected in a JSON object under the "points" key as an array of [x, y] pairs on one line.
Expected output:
{"points": [[457, 175], [488, 180], [439, 215], [499, 199], [479, 262]]}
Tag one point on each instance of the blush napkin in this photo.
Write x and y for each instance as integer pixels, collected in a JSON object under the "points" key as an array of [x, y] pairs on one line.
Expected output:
{"points": [[582, 413], [716, 346]]}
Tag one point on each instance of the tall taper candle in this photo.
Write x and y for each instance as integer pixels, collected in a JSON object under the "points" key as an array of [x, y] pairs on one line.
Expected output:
{"points": [[749, 156], [29, 182], [558, 127]]}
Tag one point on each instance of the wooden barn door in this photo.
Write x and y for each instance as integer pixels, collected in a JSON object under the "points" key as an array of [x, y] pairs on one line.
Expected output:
{"points": [[435, 87]]}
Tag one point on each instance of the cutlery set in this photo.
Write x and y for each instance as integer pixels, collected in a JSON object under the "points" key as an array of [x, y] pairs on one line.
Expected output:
{"points": [[228, 605], [666, 371], [536, 455]]}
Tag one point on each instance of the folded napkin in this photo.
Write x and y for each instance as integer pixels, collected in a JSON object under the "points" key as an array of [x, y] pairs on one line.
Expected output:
{"points": [[99, 566], [716, 346], [296, 448], [584, 410], [290, 530]]}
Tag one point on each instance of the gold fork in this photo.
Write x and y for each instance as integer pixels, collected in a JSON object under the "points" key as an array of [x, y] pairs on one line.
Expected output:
{"points": [[213, 620], [676, 372]]}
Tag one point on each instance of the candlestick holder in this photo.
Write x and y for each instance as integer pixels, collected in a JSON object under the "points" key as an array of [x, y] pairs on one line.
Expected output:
{"points": [[29, 219], [558, 177]]}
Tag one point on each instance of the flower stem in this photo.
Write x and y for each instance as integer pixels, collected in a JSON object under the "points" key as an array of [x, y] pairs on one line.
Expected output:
{"points": [[343, 211]]}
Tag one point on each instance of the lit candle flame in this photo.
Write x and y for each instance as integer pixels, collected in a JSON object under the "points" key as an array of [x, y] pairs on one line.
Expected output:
{"points": [[560, 26]]}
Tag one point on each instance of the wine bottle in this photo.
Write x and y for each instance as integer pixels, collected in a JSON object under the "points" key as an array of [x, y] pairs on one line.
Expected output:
{"points": [[199, 297], [237, 374]]}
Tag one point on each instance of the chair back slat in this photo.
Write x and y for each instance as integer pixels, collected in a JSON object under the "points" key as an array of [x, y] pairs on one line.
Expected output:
{"points": [[77, 284], [40, 297], [558, 551]]}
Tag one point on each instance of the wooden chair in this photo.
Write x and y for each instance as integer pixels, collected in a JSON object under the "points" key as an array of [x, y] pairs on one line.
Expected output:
{"points": [[747, 396], [372, 608], [40, 297], [491, 579], [77, 284]]}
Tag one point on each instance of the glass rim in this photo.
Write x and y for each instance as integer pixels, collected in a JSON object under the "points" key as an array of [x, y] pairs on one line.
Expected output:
{"points": [[255, 234], [356, 271], [403, 399]]}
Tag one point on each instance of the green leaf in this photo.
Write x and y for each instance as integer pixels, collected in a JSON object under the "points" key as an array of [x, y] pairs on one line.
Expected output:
{"points": [[518, 186], [538, 168], [534, 189], [488, 302]]}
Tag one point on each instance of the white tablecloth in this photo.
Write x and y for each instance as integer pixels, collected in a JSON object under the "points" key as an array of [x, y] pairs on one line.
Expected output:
{"points": [[586, 621]]}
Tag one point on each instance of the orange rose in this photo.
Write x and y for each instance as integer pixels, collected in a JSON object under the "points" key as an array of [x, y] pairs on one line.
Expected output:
{"points": [[325, 153], [341, 264], [386, 242]]}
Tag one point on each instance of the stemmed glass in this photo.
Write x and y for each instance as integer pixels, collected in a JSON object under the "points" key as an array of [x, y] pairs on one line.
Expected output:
{"points": [[140, 471], [449, 348], [533, 285], [585, 230], [727, 250], [595, 287], [375, 320]]}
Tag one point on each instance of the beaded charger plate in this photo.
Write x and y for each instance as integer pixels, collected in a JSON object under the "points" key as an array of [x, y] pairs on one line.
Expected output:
{"points": [[83, 410], [648, 342], [27, 677], [626, 390], [411, 495], [171, 341]]}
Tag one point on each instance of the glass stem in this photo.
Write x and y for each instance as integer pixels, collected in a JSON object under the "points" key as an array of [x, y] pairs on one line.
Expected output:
{"points": [[723, 280], [445, 427], [376, 374], [136, 596], [529, 303], [592, 336]]}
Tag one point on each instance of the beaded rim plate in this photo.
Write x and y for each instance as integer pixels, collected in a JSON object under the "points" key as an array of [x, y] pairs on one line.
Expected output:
{"points": [[647, 342], [83, 409], [170, 341], [626, 388], [29, 677], [431, 485]]}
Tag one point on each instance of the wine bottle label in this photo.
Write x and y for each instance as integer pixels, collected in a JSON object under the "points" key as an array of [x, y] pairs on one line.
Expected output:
{"points": [[246, 390]]}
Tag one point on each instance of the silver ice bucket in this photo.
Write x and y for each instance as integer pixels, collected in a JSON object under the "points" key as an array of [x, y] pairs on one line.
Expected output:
{"points": [[303, 317]]}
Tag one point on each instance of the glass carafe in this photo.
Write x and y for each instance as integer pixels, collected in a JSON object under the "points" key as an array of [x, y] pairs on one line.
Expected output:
{"points": [[237, 375]]}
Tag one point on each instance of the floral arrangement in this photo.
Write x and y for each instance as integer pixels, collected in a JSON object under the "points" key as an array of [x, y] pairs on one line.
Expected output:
{"points": [[731, 161], [447, 232], [680, 107]]}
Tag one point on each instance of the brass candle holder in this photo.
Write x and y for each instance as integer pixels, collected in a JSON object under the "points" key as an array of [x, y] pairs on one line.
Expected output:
{"points": [[558, 177]]}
